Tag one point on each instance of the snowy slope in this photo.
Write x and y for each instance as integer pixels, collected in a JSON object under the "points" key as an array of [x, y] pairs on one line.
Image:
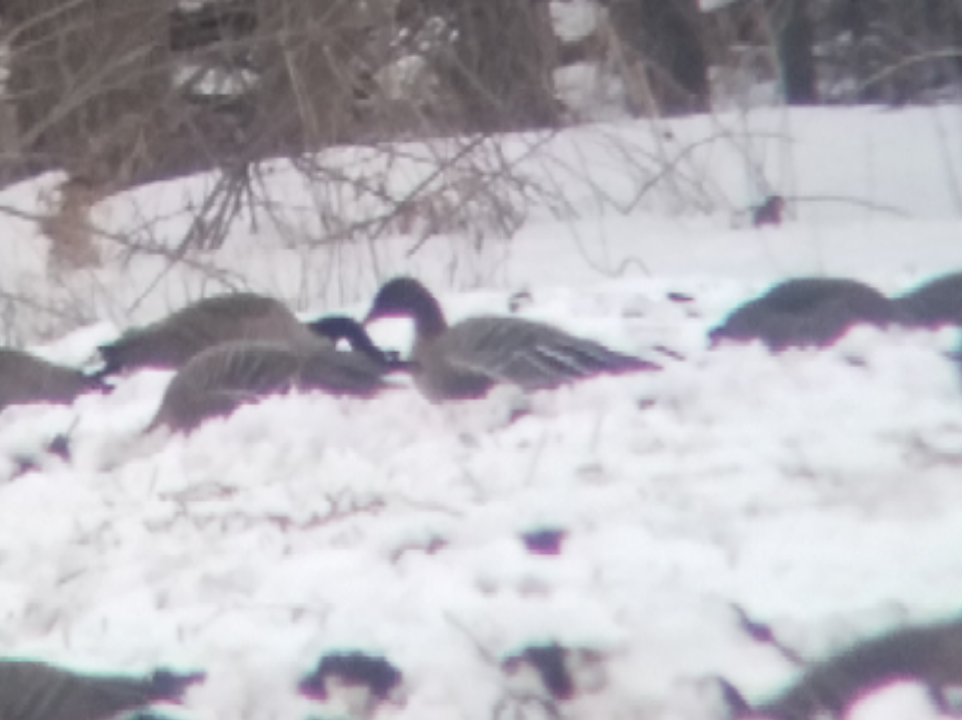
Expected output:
{"points": [[816, 493]]}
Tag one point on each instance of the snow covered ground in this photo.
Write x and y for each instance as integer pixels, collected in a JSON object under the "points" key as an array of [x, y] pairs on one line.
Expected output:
{"points": [[815, 493]]}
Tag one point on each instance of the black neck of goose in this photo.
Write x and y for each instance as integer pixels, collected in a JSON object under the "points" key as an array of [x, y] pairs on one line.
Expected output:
{"points": [[428, 317]]}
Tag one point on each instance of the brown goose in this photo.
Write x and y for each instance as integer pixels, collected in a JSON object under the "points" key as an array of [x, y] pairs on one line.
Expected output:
{"points": [[220, 379], [466, 359], [26, 378], [171, 342], [37, 691], [805, 312]]}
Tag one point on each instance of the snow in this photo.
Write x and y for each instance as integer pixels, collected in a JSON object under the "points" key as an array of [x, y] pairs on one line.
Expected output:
{"points": [[814, 492]]}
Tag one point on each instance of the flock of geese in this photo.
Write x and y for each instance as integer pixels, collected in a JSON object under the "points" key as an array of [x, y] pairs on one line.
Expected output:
{"points": [[234, 349], [825, 689]]}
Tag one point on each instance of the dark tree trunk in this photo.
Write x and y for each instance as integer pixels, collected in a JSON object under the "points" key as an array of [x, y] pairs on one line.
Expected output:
{"points": [[667, 37], [795, 39]]}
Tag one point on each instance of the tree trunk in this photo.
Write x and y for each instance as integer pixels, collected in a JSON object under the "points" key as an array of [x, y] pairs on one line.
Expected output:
{"points": [[666, 37], [795, 37]]}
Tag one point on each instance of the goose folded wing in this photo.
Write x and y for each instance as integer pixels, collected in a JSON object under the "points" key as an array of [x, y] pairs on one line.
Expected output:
{"points": [[530, 354], [221, 379], [252, 368], [348, 373]]}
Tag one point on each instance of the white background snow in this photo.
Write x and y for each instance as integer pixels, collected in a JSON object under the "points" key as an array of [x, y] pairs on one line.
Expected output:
{"points": [[820, 493]]}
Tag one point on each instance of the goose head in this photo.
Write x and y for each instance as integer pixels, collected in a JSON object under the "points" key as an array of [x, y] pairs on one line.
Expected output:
{"points": [[406, 297]]}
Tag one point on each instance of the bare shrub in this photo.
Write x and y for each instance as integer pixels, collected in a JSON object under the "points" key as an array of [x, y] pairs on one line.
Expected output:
{"points": [[329, 126], [72, 238]]}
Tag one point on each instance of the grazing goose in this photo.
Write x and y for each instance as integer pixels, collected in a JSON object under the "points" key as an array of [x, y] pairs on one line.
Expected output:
{"points": [[220, 379], [930, 654], [25, 378], [171, 342], [805, 312], [37, 691], [466, 359], [937, 302]]}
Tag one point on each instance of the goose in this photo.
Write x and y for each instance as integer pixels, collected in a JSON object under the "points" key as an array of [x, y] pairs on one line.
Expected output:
{"points": [[937, 302], [930, 654], [805, 312], [33, 690], [26, 378], [220, 379], [467, 359], [171, 342]]}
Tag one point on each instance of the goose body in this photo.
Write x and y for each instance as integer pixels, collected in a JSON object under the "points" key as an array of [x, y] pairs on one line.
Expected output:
{"points": [[171, 342], [937, 302], [220, 379], [466, 359], [806, 312], [930, 654], [25, 379], [37, 691]]}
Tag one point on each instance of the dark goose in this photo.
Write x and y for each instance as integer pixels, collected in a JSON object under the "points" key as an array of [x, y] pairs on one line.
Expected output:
{"points": [[805, 312], [466, 359]]}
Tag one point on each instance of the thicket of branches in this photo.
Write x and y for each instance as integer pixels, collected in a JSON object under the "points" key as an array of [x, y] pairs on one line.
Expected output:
{"points": [[118, 93]]}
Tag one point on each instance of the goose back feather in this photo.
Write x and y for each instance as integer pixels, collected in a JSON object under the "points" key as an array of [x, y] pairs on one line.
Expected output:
{"points": [[171, 342]]}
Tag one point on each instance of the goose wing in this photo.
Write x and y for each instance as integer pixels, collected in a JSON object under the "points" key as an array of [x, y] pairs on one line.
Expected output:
{"points": [[220, 379], [529, 354], [343, 373]]}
